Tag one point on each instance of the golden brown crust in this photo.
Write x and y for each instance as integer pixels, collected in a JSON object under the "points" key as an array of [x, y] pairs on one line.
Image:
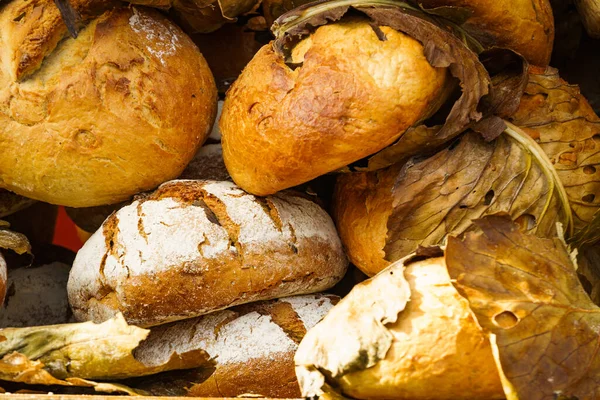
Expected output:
{"points": [[82, 120], [362, 204], [194, 247], [273, 377], [352, 96], [526, 26]]}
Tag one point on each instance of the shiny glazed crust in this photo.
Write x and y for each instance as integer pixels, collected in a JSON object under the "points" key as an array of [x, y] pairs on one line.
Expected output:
{"points": [[94, 120], [352, 96]]}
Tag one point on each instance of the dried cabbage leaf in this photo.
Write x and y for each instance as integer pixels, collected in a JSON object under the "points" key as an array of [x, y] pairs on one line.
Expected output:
{"points": [[70, 354], [442, 194], [524, 290], [565, 126]]}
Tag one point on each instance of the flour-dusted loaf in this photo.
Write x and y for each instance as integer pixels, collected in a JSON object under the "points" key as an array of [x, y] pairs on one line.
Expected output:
{"points": [[97, 119], [252, 347], [194, 247], [37, 296]]}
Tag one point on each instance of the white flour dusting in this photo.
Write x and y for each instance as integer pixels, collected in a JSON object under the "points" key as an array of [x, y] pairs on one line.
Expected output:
{"points": [[163, 40], [311, 308], [251, 336]]}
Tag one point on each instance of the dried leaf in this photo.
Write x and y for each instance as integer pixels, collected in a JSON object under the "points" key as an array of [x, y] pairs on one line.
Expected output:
{"points": [[560, 119], [442, 194], [203, 16], [524, 290], [14, 241], [10, 203], [70, 354], [70, 16]]}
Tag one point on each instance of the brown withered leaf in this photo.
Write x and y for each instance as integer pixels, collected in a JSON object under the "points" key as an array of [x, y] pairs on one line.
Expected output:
{"points": [[10, 203], [203, 16], [70, 354], [442, 194], [524, 290], [561, 120]]}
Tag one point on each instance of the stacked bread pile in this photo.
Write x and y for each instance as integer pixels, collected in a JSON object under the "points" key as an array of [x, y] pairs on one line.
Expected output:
{"points": [[219, 215]]}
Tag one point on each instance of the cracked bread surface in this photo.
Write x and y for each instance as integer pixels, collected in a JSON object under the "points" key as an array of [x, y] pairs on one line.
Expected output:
{"points": [[194, 247], [251, 346], [94, 120]]}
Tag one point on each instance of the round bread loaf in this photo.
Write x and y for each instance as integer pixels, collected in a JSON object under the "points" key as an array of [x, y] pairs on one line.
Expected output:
{"points": [[353, 95], [97, 119], [436, 350], [194, 247], [252, 347], [37, 296]]}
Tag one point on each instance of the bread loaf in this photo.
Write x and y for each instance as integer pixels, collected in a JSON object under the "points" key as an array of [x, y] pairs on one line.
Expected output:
{"points": [[353, 95], [194, 247], [97, 119], [252, 347], [405, 334], [37, 296]]}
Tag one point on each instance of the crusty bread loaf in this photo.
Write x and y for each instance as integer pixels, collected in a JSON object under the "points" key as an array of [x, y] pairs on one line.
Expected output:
{"points": [[94, 120], [526, 26], [405, 334], [252, 347], [194, 247], [353, 95], [37, 296], [362, 204]]}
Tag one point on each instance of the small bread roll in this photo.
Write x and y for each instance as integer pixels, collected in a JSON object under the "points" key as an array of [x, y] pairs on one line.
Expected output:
{"points": [[353, 95], [194, 247], [94, 120], [252, 347], [430, 348]]}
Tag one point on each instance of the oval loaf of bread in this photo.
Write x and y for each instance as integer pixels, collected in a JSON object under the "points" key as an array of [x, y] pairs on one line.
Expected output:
{"points": [[252, 347], [94, 120], [194, 247]]}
